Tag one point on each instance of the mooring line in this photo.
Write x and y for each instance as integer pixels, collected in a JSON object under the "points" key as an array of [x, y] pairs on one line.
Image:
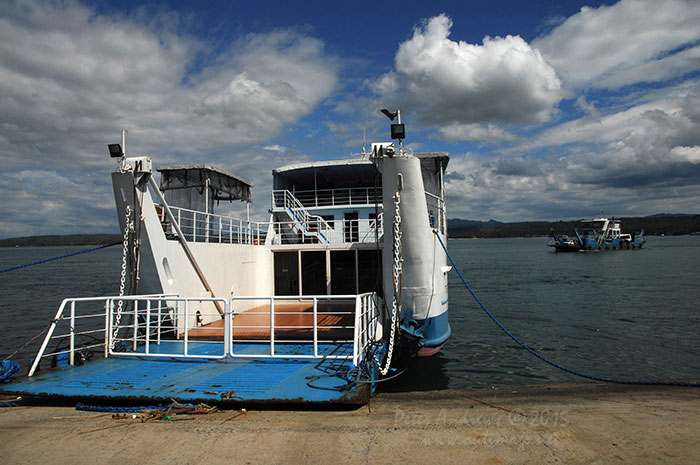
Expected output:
{"points": [[59, 257], [542, 357]]}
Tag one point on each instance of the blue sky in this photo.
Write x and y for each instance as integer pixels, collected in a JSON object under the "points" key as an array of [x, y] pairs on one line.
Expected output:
{"points": [[550, 110]]}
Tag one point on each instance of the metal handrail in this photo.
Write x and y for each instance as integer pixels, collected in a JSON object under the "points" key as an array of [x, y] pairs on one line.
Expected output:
{"points": [[339, 196], [59, 317], [141, 345], [366, 326], [311, 225], [200, 226]]}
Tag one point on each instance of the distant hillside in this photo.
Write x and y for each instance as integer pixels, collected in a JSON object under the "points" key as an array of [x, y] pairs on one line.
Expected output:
{"points": [[670, 225], [71, 239]]}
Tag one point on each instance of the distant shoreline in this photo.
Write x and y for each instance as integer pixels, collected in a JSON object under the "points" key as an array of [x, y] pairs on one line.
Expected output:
{"points": [[61, 240], [657, 225]]}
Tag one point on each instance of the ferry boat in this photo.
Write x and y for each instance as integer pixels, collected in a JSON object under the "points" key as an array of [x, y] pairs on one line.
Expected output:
{"points": [[597, 234], [344, 281]]}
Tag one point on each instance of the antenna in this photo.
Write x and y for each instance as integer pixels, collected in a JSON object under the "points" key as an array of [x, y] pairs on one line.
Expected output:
{"points": [[364, 142]]}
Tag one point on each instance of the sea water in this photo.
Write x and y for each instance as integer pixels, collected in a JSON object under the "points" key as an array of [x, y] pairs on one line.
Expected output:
{"points": [[630, 314]]}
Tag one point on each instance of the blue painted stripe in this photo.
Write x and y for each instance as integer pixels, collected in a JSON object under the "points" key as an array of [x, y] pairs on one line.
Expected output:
{"points": [[435, 330]]}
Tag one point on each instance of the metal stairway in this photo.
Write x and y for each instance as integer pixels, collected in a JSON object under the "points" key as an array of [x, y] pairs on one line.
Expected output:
{"points": [[303, 221]]}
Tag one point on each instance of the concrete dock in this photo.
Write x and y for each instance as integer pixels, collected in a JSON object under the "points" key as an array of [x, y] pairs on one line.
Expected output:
{"points": [[571, 423]]}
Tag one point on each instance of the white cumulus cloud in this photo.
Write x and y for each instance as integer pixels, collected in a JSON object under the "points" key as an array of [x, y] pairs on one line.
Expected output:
{"points": [[625, 43], [71, 78], [454, 82]]}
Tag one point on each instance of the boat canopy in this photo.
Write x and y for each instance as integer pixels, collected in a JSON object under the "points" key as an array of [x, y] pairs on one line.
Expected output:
{"points": [[197, 186], [338, 174], [432, 165]]}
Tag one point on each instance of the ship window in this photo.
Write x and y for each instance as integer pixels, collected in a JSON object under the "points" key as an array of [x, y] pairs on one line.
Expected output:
{"points": [[343, 272], [286, 273], [369, 272], [313, 273]]}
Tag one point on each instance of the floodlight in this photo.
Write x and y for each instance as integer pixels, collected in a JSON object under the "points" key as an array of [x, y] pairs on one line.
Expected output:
{"points": [[398, 131], [115, 150]]}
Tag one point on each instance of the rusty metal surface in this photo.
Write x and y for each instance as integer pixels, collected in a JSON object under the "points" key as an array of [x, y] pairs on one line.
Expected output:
{"points": [[227, 381]]}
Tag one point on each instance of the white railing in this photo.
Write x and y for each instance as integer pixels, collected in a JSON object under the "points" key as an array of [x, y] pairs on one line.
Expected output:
{"points": [[339, 197], [161, 327], [199, 226], [436, 212], [308, 224], [339, 232], [307, 327], [202, 227], [77, 320]]}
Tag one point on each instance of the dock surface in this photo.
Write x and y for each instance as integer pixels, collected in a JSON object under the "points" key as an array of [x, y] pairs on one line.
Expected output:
{"points": [[574, 423]]}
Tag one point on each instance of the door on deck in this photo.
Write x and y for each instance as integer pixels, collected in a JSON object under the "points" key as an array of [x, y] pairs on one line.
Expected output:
{"points": [[351, 230]]}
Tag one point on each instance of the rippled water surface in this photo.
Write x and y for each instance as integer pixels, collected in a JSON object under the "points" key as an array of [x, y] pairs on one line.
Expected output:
{"points": [[625, 314]]}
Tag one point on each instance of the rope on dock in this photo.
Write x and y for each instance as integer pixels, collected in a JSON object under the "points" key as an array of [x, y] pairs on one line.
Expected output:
{"points": [[545, 359], [59, 257], [116, 409], [7, 369]]}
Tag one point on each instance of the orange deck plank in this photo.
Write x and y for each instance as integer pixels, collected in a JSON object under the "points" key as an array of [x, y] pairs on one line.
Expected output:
{"points": [[254, 323]]}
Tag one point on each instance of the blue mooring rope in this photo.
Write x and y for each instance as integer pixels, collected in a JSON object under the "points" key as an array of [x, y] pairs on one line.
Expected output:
{"points": [[7, 369], [107, 408], [545, 359], [59, 257]]}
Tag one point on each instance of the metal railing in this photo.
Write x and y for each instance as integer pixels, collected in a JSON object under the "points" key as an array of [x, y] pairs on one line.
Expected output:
{"points": [[202, 227], [306, 327], [162, 327], [166, 325], [340, 232], [199, 226], [305, 222], [437, 215], [339, 197], [80, 325]]}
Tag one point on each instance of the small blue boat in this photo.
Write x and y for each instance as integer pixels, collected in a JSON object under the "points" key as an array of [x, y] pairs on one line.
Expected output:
{"points": [[597, 234]]}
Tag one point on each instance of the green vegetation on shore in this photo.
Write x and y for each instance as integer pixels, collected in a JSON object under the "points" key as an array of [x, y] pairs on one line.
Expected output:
{"points": [[670, 225], [71, 239]]}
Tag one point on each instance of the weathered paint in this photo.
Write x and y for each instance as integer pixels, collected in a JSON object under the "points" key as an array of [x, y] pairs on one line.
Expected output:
{"points": [[242, 380]]}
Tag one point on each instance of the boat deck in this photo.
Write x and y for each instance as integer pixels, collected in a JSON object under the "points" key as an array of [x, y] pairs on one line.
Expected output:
{"points": [[230, 380], [334, 320]]}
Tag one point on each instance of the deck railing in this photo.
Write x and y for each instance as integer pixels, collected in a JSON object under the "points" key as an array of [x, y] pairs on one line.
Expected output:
{"points": [[307, 224], [80, 325], [322, 326], [308, 327], [436, 212], [337, 197], [339, 232], [199, 226], [210, 228]]}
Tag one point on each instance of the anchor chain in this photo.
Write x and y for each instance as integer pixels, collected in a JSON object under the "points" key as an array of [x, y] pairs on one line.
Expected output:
{"points": [[397, 272], [122, 284]]}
